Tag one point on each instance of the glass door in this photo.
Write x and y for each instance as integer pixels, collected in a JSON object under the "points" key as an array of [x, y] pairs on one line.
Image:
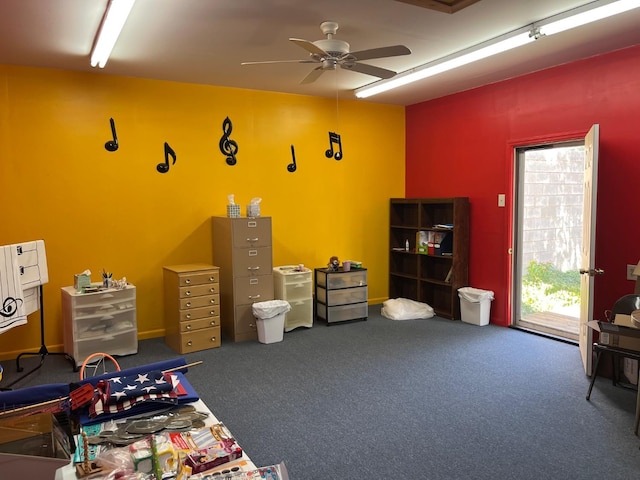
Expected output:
{"points": [[548, 238]]}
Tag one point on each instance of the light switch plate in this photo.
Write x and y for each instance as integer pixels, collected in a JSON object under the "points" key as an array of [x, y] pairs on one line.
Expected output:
{"points": [[501, 199], [630, 269]]}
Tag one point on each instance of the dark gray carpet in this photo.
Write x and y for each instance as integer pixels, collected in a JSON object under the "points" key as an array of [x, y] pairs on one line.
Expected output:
{"points": [[418, 399]]}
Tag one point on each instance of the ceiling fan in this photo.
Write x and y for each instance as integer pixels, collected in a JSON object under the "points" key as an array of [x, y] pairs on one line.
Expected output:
{"points": [[331, 53]]}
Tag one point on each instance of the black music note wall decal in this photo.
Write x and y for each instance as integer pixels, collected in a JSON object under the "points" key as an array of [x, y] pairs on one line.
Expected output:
{"points": [[292, 167], [334, 138], [228, 147], [168, 152], [112, 145]]}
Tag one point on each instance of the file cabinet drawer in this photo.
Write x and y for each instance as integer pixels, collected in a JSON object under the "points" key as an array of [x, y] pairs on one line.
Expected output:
{"points": [[196, 313], [196, 302], [254, 232], [200, 340], [199, 324], [199, 290], [194, 278]]}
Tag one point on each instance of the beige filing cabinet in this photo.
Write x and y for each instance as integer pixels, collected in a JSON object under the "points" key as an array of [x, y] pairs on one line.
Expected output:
{"points": [[103, 321], [192, 307], [295, 285], [242, 250]]}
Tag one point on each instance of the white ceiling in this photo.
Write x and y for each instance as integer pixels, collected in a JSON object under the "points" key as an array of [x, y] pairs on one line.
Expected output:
{"points": [[204, 41]]}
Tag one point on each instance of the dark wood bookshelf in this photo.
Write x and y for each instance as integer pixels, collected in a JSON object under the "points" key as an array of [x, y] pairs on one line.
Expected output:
{"points": [[433, 278]]}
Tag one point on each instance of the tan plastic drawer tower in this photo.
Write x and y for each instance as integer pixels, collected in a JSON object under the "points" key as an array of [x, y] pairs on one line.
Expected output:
{"points": [[192, 307], [242, 250]]}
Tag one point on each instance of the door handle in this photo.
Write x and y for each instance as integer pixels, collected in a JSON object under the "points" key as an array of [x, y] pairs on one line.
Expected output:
{"points": [[592, 272]]}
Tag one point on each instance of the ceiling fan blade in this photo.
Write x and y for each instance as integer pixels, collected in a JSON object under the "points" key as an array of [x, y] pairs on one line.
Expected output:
{"points": [[309, 47], [382, 52], [278, 61], [369, 70], [313, 75]]}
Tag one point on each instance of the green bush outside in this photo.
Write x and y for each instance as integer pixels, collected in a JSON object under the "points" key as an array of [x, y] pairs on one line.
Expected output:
{"points": [[545, 288]]}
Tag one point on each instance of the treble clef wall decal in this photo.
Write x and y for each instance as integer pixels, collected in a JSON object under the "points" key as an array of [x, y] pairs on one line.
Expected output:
{"points": [[228, 147]]}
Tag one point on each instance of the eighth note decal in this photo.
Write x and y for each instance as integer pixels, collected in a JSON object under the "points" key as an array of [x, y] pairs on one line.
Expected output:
{"points": [[168, 152], [334, 138]]}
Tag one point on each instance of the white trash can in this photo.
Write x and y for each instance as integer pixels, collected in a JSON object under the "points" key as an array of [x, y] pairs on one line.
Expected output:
{"points": [[475, 305], [270, 319]]}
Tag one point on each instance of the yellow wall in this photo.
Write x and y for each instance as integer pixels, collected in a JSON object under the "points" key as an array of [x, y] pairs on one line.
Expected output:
{"points": [[97, 209]]}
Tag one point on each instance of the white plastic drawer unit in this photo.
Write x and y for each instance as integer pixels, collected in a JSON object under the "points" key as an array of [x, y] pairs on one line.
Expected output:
{"points": [[342, 296], [103, 321], [295, 285], [343, 280]]}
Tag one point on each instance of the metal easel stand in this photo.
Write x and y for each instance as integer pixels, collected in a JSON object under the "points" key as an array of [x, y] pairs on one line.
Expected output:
{"points": [[43, 352]]}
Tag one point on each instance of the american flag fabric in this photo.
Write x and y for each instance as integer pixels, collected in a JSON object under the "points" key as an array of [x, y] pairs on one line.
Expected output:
{"points": [[117, 394]]}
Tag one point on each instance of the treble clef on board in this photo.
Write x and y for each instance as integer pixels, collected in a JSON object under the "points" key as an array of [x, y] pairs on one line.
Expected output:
{"points": [[228, 147]]}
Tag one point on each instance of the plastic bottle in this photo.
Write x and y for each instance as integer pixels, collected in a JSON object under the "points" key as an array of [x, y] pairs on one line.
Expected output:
{"points": [[406, 245]]}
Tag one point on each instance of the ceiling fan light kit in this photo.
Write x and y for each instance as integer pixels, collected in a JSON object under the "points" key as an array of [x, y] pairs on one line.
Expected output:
{"points": [[558, 23]]}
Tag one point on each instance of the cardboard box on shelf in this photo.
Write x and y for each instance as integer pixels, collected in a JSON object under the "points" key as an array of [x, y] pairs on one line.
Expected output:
{"points": [[622, 333]]}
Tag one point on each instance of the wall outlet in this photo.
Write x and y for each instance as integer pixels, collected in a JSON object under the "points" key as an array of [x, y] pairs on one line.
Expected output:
{"points": [[501, 199], [630, 275]]}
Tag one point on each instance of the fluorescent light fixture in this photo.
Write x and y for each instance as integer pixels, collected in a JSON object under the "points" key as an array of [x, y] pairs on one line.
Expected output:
{"points": [[493, 47], [577, 18], [530, 33], [112, 23]]}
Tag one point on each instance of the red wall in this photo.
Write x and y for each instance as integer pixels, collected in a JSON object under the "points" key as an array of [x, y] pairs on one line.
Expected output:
{"points": [[462, 145]]}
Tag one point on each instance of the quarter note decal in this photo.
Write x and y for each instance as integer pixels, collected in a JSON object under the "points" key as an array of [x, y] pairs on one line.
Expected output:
{"points": [[334, 138], [112, 145], [228, 147], [168, 152], [292, 167]]}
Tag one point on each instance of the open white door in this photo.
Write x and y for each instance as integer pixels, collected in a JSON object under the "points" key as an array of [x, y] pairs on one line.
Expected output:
{"points": [[587, 268]]}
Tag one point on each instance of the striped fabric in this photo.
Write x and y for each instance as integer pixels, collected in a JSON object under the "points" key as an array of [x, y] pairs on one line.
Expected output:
{"points": [[117, 394]]}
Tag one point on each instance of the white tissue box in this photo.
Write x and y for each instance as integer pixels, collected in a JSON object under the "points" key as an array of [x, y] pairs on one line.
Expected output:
{"points": [[233, 211], [253, 210], [80, 281]]}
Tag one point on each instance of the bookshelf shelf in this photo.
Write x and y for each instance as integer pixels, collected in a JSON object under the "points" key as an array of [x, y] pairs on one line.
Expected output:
{"points": [[430, 273]]}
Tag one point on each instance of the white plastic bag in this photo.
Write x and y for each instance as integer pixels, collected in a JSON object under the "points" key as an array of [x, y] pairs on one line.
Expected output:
{"points": [[405, 309], [474, 295], [270, 308]]}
